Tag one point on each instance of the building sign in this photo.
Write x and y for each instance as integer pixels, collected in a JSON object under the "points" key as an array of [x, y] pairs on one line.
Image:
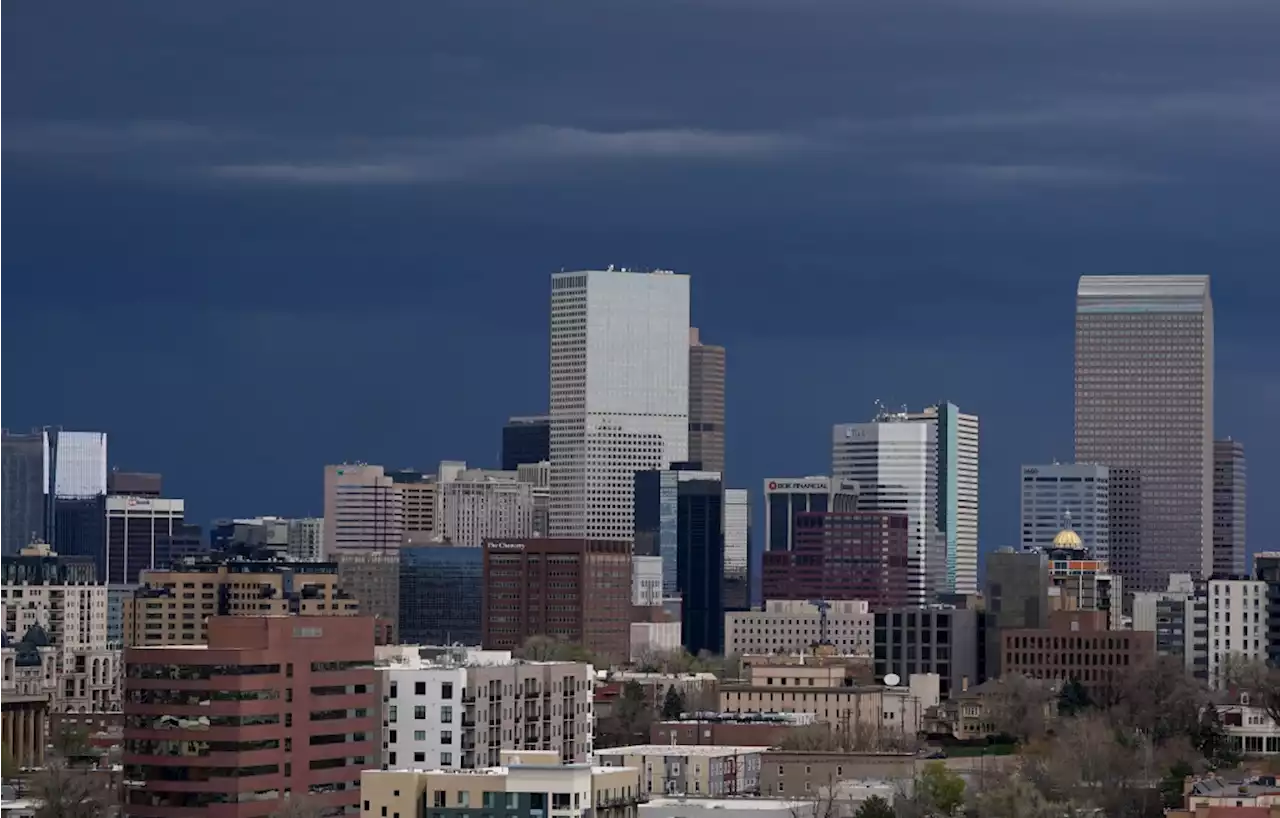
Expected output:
{"points": [[139, 502], [506, 546], [798, 485], [1030, 470]]}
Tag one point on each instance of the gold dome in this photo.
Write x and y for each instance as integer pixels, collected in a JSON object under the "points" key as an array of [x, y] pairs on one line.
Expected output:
{"points": [[1067, 539]]}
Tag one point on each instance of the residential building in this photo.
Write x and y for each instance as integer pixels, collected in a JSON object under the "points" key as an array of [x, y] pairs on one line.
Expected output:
{"points": [[979, 713], [458, 712], [526, 440], [478, 504], [706, 403], [441, 595], [734, 729], [1238, 625], [1070, 495], [619, 393], [139, 530], [1229, 487], [737, 550], [538, 477], [363, 511], [791, 626], [1266, 567], [804, 775], [787, 497], [1179, 617], [1078, 645], [1017, 597], [226, 585], [419, 504], [700, 691], [945, 641], [698, 769], [530, 783], [646, 582], [843, 555], [23, 488], [372, 579], [1250, 728], [1144, 400], [306, 539], [116, 597], [657, 496], [270, 705], [575, 590]]}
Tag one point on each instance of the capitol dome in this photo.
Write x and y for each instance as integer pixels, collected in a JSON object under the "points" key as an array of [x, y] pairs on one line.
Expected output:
{"points": [[1068, 539]]}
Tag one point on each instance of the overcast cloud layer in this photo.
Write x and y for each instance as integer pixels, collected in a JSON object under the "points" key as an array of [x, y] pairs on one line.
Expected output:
{"points": [[249, 238]]}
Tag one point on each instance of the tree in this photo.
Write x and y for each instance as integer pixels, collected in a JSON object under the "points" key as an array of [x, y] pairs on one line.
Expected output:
{"points": [[71, 740], [1255, 678], [1171, 785], [938, 790], [1012, 796], [541, 648], [875, 807], [1016, 706], [1211, 741], [1073, 698], [67, 792], [812, 738], [673, 704], [630, 720], [300, 806]]}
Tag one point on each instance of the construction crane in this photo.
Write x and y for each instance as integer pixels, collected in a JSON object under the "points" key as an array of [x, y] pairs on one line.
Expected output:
{"points": [[823, 606]]}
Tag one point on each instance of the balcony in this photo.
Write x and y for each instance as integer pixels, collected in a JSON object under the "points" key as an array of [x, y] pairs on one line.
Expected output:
{"points": [[468, 720]]}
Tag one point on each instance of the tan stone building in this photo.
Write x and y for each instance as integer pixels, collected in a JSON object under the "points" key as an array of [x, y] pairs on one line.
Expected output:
{"points": [[698, 770], [789, 774]]}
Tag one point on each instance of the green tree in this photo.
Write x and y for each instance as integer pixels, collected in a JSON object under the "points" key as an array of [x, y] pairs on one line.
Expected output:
{"points": [[875, 807], [1073, 698], [1172, 783], [629, 722], [939, 790], [672, 704]]}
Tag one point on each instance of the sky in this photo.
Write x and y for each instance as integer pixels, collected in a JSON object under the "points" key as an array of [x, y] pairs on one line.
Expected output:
{"points": [[249, 239]]}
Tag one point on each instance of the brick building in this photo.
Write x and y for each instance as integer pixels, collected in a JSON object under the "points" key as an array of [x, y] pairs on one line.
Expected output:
{"points": [[272, 707], [842, 555], [1077, 645], [571, 589]]}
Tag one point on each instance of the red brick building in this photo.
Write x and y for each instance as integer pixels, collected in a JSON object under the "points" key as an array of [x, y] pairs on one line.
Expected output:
{"points": [[271, 708], [839, 555], [570, 589], [1077, 645]]}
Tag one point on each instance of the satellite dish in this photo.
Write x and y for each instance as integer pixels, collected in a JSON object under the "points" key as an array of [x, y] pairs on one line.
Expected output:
{"points": [[892, 679]]}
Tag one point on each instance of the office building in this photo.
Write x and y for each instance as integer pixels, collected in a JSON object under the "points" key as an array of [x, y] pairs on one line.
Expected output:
{"points": [[646, 582], [478, 504], [796, 625], [1078, 645], [843, 555], [23, 487], [945, 641], [538, 477], [700, 564], [706, 403], [706, 769], [1124, 505], [528, 784], [173, 607], [135, 483], [1080, 582], [578, 591], [460, 710], [373, 579], [140, 532], [1017, 597], [656, 516], [441, 595], [655, 639], [1179, 617], [268, 536], [362, 510], [1144, 400], [737, 550], [924, 465], [619, 393], [787, 497], [1074, 495], [1229, 487], [273, 707], [419, 505], [526, 440], [1237, 612]]}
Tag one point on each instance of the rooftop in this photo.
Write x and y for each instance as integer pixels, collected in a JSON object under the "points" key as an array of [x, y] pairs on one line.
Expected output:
{"points": [[679, 750], [728, 803]]}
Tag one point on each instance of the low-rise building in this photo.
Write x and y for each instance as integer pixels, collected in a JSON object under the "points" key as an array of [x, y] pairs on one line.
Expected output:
{"points": [[935, 639], [690, 769], [1251, 730], [528, 784], [1078, 645], [978, 712], [741, 729], [654, 638], [788, 626], [801, 774]]}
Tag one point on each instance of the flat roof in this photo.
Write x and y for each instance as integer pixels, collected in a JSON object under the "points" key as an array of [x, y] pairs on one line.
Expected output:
{"points": [[679, 750], [727, 803]]}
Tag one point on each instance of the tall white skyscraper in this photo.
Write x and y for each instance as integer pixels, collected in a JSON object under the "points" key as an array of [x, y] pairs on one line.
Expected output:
{"points": [[1056, 495], [924, 465], [619, 393], [737, 524]]}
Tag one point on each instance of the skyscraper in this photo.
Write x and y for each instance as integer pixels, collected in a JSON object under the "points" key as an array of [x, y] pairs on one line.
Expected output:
{"points": [[363, 511], [1061, 495], [737, 534], [25, 481], [76, 508], [1228, 508], [706, 403], [619, 393], [1144, 401], [787, 497], [525, 440], [657, 496]]}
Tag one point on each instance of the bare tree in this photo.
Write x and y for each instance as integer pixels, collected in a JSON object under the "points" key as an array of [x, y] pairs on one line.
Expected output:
{"points": [[1158, 699], [69, 792], [301, 806], [1254, 677], [1017, 706]]}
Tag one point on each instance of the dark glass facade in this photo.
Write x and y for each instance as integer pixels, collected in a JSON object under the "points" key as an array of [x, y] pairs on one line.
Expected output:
{"points": [[80, 529], [441, 595], [23, 486], [525, 440], [700, 564]]}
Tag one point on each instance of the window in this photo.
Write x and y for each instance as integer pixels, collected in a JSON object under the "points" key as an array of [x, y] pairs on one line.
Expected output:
{"points": [[419, 711], [446, 715], [464, 798], [420, 758], [513, 801], [439, 798], [391, 714], [446, 759], [446, 690], [419, 735], [420, 688], [392, 693], [446, 737]]}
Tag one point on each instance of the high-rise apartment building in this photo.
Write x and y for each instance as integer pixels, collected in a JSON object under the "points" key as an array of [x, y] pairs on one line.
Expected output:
{"points": [[1067, 495], [140, 533], [737, 550], [479, 504], [787, 497], [273, 708], [656, 507], [706, 403], [526, 440], [23, 488], [578, 591], [1237, 613], [1144, 400], [1229, 487], [843, 555], [362, 510], [441, 594], [619, 393], [1179, 617]]}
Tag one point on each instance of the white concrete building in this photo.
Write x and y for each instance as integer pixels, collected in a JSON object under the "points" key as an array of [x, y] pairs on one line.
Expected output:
{"points": [[538, 476], [480, 503], [619, 393], [791, 626], [362, 510], [1237, 624], [736, 527], [655, 638], [306, 539], [646, 582], [1067, 495]]}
